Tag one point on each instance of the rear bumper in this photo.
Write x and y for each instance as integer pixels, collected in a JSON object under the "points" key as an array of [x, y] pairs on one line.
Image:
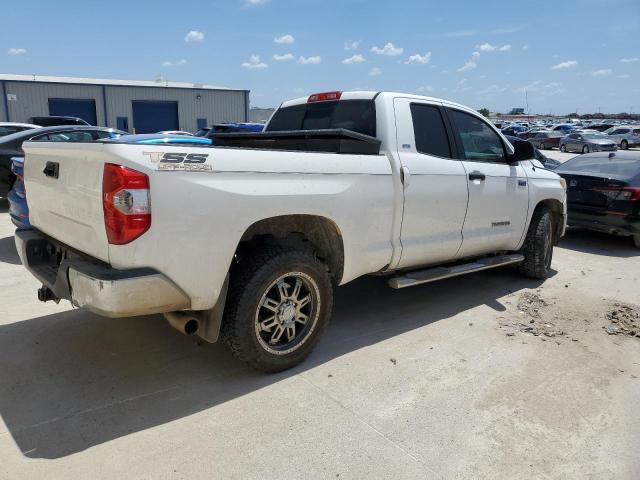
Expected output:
{"points": [[614, 224], [96, 286]]}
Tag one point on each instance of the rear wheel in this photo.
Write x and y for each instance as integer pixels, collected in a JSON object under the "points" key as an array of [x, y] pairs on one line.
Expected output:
{"points": [[585, 149], [538, 245], [563, 148], [279, 303], [636, 240], [624, 145]]}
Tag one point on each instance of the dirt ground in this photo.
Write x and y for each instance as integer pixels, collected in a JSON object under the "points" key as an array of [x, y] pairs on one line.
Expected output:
{"points": [[484, 376]]}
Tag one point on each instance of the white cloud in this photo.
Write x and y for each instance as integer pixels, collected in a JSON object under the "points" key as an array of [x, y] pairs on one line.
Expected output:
{"points": [[16, 51], [546, 89], [285, 39], [525, 47], [283, 58], [487, 47], [194, 36], [426, 88], [169, 63], [309, 60], [629, 60], [254, 3], [352, 44], [375, 72], [418, 59], [460, 33], [354, 59], [624, 75], [602, 72], [507, 30], [563, 65], [254, 63], [470, 65], [389, 49]]}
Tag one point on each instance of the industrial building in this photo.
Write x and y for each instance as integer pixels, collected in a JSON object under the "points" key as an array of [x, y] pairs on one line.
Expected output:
{"points": [[133, 106]]}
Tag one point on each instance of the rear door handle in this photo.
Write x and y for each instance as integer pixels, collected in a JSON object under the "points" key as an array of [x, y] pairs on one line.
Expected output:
{"points": [[405, 176], [51, 169], [475, 175]]}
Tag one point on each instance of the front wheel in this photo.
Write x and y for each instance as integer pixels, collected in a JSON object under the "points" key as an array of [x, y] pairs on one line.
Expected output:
{"points": [[279, 303], [624, 145], [585, 149], [636, 240], [563, 148], [538, 245]]}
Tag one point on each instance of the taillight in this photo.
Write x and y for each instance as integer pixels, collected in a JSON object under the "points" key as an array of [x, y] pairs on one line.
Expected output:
{"points": [[17, 167], [126, 203], [614, 192], [323, 97]]}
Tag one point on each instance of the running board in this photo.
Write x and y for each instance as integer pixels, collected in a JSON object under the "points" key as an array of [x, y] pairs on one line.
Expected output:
{"points": [[418, 277]]}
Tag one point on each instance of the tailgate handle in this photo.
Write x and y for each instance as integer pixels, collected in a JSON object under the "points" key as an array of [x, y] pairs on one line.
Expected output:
{"points": [[51, 169]]}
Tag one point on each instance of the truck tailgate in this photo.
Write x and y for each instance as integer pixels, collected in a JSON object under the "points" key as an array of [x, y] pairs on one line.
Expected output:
{"points": [[64, 191]]}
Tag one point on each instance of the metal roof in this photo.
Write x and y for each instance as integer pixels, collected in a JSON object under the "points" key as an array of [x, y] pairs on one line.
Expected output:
{"points": [[109, 81]]}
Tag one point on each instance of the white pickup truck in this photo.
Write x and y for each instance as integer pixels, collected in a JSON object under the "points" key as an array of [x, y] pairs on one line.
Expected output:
{"points": [[246, 240]]}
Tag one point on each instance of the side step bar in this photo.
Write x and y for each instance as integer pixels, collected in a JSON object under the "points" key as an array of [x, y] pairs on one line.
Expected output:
{"points": [[418, 277]]}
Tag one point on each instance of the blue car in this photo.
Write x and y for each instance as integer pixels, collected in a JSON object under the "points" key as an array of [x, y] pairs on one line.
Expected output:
{"points": [[18, 208], [160, 139], [230, 128]]}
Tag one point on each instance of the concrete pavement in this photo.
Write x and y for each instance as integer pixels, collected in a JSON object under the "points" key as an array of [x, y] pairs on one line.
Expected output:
{"points": [[426, 382]]}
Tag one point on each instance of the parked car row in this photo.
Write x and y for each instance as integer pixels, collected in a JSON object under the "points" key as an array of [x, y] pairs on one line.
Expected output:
{"points": [[548, 135]]}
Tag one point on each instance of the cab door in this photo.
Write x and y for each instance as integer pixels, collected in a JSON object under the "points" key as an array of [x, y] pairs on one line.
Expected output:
{"points": [[498, 192], [435, 184]]}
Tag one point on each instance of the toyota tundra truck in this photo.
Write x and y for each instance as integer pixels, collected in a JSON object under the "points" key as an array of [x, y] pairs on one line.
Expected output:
{"points": [[246, 240]]}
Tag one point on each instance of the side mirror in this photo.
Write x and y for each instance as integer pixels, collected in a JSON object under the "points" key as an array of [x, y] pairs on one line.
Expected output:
{"points": [[523, 150]]}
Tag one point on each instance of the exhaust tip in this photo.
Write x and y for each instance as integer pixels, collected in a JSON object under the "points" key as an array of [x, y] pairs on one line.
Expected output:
{"points": [[191, 327], [185, 323]]}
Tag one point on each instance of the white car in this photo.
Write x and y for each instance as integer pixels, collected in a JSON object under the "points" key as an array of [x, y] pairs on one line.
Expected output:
{"points": [[249, 243], [624, 135], [7, 128], [175, 132]]}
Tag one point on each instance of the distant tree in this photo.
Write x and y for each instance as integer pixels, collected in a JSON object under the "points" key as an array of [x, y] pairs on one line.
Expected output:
{"points": [[484, 111]]}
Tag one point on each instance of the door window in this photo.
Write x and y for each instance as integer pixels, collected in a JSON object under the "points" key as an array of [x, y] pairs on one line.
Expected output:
{"points": [[480, 142], [430, 133]]}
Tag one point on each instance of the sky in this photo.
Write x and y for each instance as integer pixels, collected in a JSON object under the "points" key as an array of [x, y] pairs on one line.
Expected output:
{"points": [[545, 56]]}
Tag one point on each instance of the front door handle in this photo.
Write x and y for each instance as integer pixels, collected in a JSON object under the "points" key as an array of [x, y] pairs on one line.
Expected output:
{"points": [[475, 175]]}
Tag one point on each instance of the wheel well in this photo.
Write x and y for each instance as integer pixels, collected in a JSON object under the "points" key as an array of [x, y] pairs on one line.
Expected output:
{"points": [[557, 210], [317, 233]]}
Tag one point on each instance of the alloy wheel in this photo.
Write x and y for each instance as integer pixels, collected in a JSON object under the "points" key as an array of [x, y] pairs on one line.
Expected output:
{"points": [[287, 313]]}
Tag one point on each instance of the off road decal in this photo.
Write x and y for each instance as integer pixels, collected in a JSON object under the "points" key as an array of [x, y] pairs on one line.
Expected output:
{"points": [[176, 161]]}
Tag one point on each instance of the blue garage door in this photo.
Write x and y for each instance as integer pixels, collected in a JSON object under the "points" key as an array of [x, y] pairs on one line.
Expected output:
{"points": [[154, 116], [74, 107]]}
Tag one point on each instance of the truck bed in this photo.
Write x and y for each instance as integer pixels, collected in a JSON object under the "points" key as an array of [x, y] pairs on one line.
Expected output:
{"points": [[331, 141]]}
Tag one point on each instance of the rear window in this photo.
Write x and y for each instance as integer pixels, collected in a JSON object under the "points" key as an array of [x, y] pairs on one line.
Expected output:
{"points": [[626, 168], [356, 115]]}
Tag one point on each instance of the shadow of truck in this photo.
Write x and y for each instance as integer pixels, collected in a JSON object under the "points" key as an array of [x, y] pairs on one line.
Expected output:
{"points": [[73, 380]]}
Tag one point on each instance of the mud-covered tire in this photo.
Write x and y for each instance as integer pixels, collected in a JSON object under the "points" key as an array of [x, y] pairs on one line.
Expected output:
{"points": [[538, 245], [251, 290]]}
